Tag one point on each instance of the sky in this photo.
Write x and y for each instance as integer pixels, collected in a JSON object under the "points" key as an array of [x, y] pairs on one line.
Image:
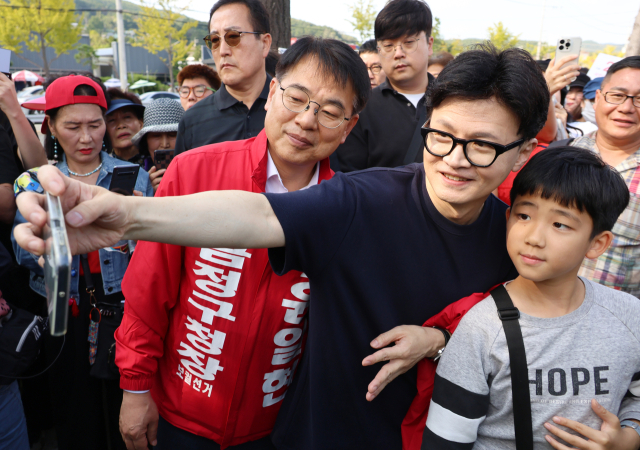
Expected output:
{"points": [[460, 19]]}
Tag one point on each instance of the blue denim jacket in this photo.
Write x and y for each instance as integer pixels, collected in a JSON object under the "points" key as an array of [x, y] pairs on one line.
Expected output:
{"points": [[113, 260]]}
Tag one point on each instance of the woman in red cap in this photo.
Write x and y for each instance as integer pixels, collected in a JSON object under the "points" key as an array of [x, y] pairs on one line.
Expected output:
{"points": [[84, 382]]}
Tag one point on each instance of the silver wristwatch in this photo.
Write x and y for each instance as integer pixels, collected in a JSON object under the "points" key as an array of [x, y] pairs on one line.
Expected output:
{"points": [[631, 424], [438, 355]]}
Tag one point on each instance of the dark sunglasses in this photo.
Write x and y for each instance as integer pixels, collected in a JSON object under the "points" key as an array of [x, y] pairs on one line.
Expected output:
{"points": [[231, 37]]}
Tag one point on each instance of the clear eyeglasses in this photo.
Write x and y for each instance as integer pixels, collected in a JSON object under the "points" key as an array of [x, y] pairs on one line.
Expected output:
{"points": [[296, 100]]}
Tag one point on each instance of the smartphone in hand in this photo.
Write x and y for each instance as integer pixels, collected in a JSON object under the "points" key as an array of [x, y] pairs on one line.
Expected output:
{"points": [[568, 46], [57, 266], [123, 179], [162, 158]]}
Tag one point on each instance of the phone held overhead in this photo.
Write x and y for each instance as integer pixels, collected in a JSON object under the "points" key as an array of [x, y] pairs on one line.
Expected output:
{"points": [[568, 46]]}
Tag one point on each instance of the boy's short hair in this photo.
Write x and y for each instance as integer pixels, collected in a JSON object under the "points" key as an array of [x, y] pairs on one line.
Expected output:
{"points": [[575, 178]]}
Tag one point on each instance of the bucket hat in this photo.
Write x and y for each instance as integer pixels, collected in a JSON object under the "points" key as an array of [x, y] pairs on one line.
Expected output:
{"points": [[160, 116]]}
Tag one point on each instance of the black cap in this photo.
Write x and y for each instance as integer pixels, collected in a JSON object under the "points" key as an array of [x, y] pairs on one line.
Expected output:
{"points": [[580, 81]]}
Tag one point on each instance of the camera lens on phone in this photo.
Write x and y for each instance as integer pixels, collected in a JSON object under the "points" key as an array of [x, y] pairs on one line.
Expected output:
{"points": [[561, 47], [562, 41], [568, 45]]}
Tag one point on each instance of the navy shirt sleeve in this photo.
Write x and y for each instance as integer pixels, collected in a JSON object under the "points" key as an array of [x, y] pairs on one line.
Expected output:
{"points": [[315, 222]]}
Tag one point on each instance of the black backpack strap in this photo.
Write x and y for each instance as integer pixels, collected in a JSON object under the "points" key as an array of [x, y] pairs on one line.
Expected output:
{"points": [[561, 143], [509, 316], [417, 144]]}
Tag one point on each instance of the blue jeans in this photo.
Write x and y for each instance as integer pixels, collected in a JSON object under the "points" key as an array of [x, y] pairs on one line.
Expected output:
{"points": [[13, 425]]}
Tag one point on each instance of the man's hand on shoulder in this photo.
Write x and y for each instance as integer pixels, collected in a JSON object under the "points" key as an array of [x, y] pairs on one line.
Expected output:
{"points": [[412, 343], [138, 420], [610, 436]]}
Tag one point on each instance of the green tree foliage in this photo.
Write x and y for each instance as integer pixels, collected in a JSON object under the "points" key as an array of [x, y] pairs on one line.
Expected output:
{"points": [[85, 53], [163, 29], [500, 36], [364, 15], [34, 25], [300, 28]]}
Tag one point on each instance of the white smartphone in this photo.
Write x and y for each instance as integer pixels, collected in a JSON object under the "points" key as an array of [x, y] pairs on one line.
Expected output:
{"points": [[57, 266], [568, 46]]}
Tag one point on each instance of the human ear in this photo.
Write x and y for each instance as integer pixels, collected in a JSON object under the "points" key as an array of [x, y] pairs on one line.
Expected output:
{"points": [[598, 96], [266, 44], [430, 45], [273, 86], [599, 244], [524, 153], [349, 127], [507, 213]]}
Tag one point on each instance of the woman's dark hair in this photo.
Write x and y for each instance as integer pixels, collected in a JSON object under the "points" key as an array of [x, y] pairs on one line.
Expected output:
{"points": [[371, 46], [335, 59], [575, 178], [442, 59], [403, 18], [511, 76], [259, 16], [199, 71], [83, 89], [630, 62]]}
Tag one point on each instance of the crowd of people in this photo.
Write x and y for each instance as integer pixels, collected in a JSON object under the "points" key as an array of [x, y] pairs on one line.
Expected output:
{"points": [[421, 251]]}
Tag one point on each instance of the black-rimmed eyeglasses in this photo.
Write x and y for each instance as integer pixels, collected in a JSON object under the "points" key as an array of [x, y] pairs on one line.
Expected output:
{"points": [[478, 152], [618, 98], [296, 100], [231, 37]]}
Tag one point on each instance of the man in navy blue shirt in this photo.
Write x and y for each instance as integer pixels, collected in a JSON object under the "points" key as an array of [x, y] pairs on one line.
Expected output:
{"points": [[383, 248]]}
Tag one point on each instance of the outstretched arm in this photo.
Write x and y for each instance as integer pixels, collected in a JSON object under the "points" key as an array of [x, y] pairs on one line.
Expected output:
{"points": [[97, 218]]}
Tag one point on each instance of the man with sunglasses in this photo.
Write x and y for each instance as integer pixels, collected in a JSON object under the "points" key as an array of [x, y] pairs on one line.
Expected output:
{"points": [[239, 40], [617, 141], [388, 132], [197, 82], [383, 249]]}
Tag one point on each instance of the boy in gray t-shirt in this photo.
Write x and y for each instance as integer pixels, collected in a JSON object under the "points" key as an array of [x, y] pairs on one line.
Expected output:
{"points": [[582, 340]]}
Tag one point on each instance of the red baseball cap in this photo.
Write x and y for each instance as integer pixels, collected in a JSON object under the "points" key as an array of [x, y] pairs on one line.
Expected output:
{"points": [[60, 93]]}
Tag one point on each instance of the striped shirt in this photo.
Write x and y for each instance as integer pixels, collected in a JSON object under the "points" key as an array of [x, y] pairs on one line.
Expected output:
{"points": [[619, 266], [592, 352]]}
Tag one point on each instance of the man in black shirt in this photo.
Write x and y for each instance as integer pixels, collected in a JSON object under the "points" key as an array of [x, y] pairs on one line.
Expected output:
{"points": [[388, 132], [239, 43], [383, 249]]}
